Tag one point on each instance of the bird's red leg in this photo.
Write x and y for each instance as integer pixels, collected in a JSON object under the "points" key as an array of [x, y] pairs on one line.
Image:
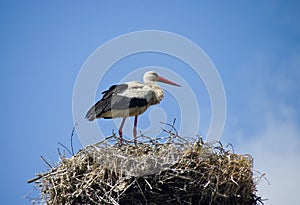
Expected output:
{"points": [[134, 128], [120, 130]]}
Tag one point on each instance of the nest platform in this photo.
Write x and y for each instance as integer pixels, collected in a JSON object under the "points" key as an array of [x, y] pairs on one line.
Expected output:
{"points": [[173, 172]]}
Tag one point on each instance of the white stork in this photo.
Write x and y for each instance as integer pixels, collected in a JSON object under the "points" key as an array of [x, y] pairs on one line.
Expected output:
{"points": [[129, 99]]}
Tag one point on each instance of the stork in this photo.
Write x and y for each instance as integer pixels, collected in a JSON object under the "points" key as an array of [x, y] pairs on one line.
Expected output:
{"points": [[129, 99]]}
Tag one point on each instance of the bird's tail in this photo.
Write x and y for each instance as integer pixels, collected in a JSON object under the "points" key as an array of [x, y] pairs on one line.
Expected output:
{"points": [[91, 114]]}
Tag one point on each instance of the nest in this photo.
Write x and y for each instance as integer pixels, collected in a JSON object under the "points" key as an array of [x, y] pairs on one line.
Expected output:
{"points": [[185, 172]]}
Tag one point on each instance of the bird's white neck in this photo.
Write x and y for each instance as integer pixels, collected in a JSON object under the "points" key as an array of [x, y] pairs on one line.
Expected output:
{"points": [[159, 93]]}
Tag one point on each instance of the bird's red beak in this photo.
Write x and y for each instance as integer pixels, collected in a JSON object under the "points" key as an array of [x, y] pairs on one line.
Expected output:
{"points": [[164, 80]]}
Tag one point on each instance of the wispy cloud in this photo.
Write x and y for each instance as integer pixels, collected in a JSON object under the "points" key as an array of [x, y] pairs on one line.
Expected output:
{"points": [[276, 152], [275, 137]]}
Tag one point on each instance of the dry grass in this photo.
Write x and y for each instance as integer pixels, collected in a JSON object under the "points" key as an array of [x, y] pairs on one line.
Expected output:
{"points": [[174, 172]]}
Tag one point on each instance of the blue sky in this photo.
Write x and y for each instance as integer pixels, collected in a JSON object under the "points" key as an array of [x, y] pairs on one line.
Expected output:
{"points": [[254, 45]]}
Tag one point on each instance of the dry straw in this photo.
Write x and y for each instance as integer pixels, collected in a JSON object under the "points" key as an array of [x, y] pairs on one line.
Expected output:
{"points": [[174, 172]]}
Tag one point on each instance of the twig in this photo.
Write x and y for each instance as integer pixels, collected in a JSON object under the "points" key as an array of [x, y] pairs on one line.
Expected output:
{"points": [[148, 183], [230, 145], [72, 134], [65, 148], [39, 176], [62, 156], [171, 125], [141, 191], [46, 162]]}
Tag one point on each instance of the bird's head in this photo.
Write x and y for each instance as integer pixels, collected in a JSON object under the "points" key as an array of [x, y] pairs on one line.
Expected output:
{"points": [[151, 77]]}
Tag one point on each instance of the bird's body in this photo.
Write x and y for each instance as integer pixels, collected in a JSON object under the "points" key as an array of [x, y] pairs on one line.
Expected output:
{"points": [[125, 100], [129, 99]]}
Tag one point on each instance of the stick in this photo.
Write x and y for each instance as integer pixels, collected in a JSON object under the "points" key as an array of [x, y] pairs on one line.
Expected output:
{"points": [[46, 162]]}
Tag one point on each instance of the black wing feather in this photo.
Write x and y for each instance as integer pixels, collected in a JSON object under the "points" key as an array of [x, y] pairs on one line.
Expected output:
{"points": [[111, 100]]}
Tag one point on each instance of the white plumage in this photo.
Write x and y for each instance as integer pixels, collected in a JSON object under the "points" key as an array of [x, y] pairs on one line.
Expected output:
{"points": [[138, 89]]}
